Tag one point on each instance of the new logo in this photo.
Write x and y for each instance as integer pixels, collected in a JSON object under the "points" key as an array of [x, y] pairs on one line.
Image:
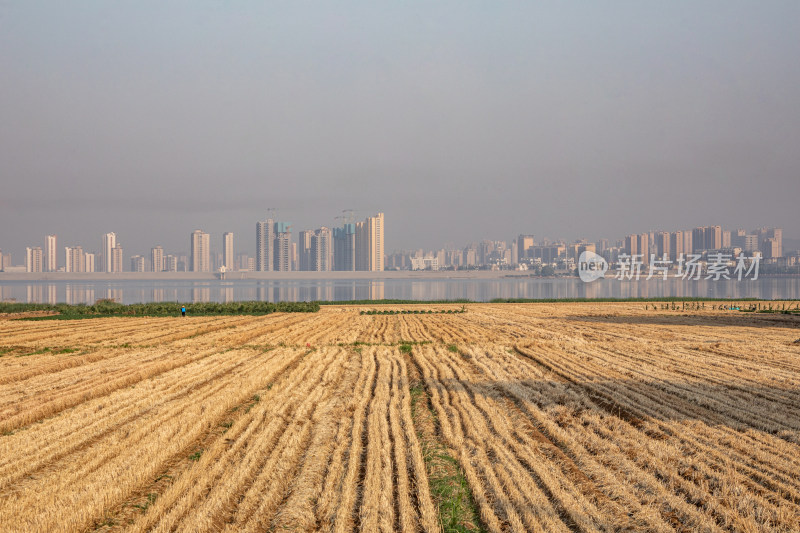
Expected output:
{"points": [[591, 266]]}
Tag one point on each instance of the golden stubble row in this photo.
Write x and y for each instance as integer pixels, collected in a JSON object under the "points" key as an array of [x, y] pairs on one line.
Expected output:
{"points": [[76, 489]]}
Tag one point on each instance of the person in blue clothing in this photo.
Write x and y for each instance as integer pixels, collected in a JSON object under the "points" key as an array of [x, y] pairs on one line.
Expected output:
{"points": [[183, 310]]}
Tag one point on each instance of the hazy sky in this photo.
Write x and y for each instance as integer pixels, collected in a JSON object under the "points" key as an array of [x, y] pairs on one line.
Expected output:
{"points": [[460, 120]]}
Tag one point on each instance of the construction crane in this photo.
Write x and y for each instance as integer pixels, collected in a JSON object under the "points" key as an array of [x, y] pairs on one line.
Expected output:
{"points": [[348, 216]]}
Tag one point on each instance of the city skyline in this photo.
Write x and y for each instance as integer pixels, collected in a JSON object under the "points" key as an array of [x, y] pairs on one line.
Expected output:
{"points": [[359, 246]]}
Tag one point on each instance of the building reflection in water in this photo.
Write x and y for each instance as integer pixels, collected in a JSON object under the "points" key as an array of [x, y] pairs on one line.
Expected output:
{"points": [[114, 295], [34, 294], [78, 294], [405, 289], [201, 294], [226, 295]]}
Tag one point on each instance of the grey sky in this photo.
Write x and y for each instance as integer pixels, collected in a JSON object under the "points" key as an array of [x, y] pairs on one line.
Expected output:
{"points": [[459, 120]]}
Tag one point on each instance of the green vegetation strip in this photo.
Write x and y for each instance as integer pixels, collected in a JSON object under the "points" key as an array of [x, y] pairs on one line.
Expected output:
{"points": [[106, 308], [458, 512]]}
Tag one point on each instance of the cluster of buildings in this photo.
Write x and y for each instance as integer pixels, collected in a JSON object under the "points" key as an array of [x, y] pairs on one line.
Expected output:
{"points": [[525, 253], [359, 246], [353, 246]]}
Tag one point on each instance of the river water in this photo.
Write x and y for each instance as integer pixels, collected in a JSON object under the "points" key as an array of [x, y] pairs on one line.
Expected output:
{"points": [[129, 291]]}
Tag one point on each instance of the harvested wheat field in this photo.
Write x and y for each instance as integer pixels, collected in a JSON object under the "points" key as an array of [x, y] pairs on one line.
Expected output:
{"points": [[506, 417]]}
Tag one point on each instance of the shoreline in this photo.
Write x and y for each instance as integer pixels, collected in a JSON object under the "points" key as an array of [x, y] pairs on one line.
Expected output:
{"points": [[299, 276]]}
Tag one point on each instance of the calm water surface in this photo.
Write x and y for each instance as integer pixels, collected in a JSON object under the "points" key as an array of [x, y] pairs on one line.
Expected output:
{"points": [[407, 289]]}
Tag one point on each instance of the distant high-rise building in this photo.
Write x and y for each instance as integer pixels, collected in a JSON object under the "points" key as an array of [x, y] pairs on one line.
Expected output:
{"points": [[688, 245], [282, 249], [770, 248], [776, 246], [88, 262], [265, 244], [344, 247], [726, 239], [470, 256], [750, 243], [171, 263], [698, 239], [525, 246], [74, 259], [370, 244], [713, 237], [632, 244], [322, 250], [644, 247], [51, 253], [116, 258], [304, 250], [227, 251], [662, 245], [108, 243], [157, 259], [675, 245], [200, 253], [33, 259], [137, 263]]}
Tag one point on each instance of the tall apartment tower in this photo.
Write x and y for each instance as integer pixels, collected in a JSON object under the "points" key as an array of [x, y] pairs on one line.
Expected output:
{"points": [[51, 253], [75, 259], [33, 259], [698, 240], [108, 243], [344, 248], [304, 250], [157, 259], [227, 251], [200, 253], [137, 263], [524, 247], [369, 243], [644, 247], [265, 243], [282, 249], [88, 262], [632, 244], [322, 250], [170, 263], [676, 245], [713, 237], [662, 245], [774, 248], [116, 258]]}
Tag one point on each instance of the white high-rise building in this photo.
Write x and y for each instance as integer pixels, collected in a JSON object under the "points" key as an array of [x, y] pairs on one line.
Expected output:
{"points": [[75, 259], [200, 253], [88, 262], [265, 245], [369, 244], [33, 259], [137, 263], [109, 242], [116, 258], [227, 251], [157, 259], [322, 250], [51, 253]]}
